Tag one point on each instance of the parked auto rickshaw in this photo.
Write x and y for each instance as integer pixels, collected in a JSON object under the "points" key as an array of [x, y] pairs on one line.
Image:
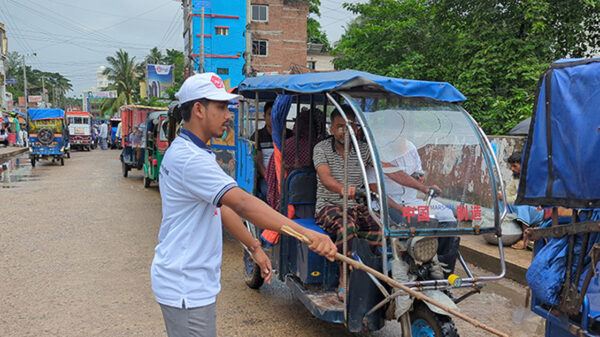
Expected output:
{"points": [[114, 139], [157, 124], [560, 171], [397, 117], [80, 129], [48, 135], [133, 119]]}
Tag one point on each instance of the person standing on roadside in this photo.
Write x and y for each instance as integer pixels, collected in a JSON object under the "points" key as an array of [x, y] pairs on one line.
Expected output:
{"points": [[103, 135], [198, 199]]}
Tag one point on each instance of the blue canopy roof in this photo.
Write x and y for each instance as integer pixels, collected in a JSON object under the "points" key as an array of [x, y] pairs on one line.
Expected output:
{"points": [[35, 114], [560, 164], [348, 79]]}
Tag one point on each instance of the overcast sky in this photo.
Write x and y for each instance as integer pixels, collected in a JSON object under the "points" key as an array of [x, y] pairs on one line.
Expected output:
{"points": [[74, 37]]}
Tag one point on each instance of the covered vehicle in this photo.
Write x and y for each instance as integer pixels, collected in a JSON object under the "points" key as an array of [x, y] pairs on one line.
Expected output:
{"points": [[48, 135], [133, 126], [80, 129], [406, 128], [156, 143], [114, 136], [559, 169]]}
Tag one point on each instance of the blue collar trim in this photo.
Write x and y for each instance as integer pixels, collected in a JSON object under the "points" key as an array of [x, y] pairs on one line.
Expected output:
{"points": [[189, 136]]}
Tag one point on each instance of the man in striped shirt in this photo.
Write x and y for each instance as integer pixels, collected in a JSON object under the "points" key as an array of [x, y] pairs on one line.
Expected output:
{"points": [[328, 158]]}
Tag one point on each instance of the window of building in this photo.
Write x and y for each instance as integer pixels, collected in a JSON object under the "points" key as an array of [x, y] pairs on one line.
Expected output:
{"points": [[221, 30], [260, 47], [223, 71], [312, 65], [260, 13]]}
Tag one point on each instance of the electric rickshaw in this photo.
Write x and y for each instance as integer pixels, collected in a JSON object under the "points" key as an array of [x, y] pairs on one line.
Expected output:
{"points": [[157, 124], [560, 170], [48, 135], [400, 121], [133, 119]]}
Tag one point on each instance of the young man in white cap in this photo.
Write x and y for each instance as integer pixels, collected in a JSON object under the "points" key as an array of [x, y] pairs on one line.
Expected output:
{"points": [[197, 199]]}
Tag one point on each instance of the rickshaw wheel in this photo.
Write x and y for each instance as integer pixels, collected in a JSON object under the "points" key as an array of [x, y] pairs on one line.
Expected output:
{"points": [[426, 323], [62, 161], [32, 162], [252, 272], [146, 182], [69, 154], [124, 168]]}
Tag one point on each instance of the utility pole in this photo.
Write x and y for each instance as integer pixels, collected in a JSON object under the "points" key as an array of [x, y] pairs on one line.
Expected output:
{"points": [[44, 89], [202, 43], [25, 87]]}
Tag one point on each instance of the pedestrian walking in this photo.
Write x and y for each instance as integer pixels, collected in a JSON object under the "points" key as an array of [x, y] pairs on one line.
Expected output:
{"points": [[198, 198], [103, 135]]}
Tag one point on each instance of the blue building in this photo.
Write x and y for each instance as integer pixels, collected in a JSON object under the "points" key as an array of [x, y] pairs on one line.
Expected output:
{"points": [[224, 37]]}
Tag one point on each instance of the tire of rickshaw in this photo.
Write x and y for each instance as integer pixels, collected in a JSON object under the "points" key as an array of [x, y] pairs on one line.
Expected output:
{"points": [[125, 169], [68, 154], [146, 182], [62, 161], [252, 272], [32, 160], [425, 322]]}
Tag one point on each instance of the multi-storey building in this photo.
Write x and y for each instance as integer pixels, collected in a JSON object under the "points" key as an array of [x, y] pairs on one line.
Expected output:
{"points": [[276, 36], [221, 47], [245, 37]]}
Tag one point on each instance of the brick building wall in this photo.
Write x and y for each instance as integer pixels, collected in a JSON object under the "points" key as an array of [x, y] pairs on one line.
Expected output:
{"points": [[285, 34]]}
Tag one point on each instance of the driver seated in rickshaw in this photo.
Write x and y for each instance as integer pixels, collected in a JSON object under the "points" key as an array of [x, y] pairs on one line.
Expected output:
{"points": [[328, 159], [404, 178]]}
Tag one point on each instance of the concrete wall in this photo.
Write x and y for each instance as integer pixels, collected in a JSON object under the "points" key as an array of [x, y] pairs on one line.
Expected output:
{"points": [[461, 171]]}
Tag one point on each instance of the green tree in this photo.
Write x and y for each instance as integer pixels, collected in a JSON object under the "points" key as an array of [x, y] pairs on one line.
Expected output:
{"points": [[155, 56], [314, 31], [492, 51], [121, 72]]}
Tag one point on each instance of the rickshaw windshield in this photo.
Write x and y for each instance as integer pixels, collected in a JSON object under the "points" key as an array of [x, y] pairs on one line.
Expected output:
{"points": [[163, 130], [437, 144]]}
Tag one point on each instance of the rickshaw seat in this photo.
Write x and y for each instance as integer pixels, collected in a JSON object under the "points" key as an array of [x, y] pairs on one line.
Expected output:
{"points": [[310, 223], [300, 191]]}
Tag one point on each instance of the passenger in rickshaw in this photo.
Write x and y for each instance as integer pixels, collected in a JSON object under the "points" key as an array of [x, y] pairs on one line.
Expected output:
{"points": [[527, 216], [404, 178], [328, 159], [265, 150], [294, 157]]}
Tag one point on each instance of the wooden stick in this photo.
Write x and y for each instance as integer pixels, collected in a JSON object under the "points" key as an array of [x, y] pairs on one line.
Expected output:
{"points": [[418, 295]]}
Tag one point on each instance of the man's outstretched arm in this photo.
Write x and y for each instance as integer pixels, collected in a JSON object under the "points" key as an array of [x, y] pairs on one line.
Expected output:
{"points": [[256, 211]]}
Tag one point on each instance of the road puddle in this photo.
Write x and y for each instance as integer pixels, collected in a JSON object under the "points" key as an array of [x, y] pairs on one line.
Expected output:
{"points": [[16, 170]]}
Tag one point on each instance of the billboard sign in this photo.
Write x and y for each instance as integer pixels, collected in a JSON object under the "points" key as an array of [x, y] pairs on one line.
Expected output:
{"points": [[158, 78], [11, 81], [34, 99], [22, 100], [102, 94]]}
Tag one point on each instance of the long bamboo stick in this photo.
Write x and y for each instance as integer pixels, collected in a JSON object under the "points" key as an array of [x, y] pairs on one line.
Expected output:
{"points": [[418, 295]]}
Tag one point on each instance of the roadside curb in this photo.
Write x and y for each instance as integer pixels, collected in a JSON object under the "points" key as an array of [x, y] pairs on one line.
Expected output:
{"points": [[12, 153], [487, 257]]}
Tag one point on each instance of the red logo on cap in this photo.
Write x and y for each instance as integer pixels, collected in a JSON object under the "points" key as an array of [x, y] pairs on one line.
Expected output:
{"points": [[217, 82]]}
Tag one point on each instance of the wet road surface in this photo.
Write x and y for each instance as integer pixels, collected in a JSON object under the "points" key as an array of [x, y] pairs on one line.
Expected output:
{"points": [[76, 243]]}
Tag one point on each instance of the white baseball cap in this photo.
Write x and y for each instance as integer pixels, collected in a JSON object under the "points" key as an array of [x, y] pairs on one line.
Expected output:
{"points": [[206, 85]]}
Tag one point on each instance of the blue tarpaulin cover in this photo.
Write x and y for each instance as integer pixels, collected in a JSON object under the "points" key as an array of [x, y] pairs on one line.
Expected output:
{"points": [[560, 164], [35, 114], [320, 82]]}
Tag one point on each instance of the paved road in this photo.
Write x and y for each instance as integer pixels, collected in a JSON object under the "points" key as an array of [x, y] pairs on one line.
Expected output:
{"points": [[76, 243]]}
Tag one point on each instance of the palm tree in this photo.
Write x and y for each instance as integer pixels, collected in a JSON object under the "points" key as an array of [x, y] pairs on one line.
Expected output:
{"points": [[155, 56], [122, 73]]}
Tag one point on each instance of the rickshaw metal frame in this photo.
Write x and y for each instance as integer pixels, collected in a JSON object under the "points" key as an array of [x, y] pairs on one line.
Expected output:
{"points": [[490, 159]]}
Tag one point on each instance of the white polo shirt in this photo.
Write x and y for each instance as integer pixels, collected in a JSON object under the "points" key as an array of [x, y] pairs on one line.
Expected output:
{"points": [[186, 269]]}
